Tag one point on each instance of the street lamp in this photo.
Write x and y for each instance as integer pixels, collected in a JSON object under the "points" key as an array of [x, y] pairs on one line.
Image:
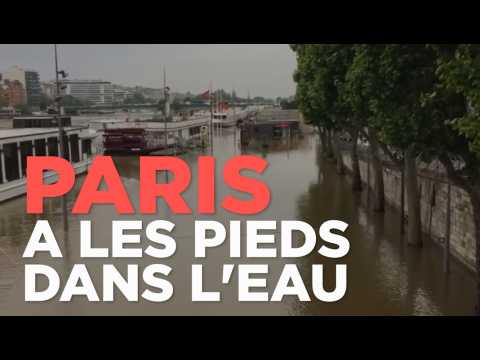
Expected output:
{"points": [[63, 73], [58, 100]]}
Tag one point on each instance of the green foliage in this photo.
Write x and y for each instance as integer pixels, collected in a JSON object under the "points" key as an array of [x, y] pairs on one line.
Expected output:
{"points": [[3, 101], [459, 71], [420, 96], [320, 78], [288, 105], [23, 109], [176, 105], [70, 101], [421, 99], [363, 84], [387, 84], [136, 98], [45, 102]]}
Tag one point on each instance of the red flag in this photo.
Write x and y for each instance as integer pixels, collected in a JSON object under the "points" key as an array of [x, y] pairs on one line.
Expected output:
{"points": [[224, 106], [205, 95]]}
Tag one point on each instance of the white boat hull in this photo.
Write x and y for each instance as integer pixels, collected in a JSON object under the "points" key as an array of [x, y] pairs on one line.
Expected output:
{"points": [[18, 188], [225, 123]]}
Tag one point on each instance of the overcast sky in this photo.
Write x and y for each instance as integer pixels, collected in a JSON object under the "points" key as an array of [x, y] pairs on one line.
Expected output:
{"points": [[264, 69]]}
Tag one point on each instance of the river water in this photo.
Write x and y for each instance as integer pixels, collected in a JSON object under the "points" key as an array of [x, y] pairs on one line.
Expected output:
{"points": [[385, 277]]}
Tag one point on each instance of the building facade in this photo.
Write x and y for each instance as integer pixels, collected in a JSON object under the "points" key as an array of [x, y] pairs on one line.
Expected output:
{"points": [[30, 82], [120, 95], [13, 93], [96, 92], [49, 89], [33, 88]]}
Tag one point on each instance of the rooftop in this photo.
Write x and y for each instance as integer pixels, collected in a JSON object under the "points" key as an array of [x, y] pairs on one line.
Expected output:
{"points": [[86, 81], [16, 133], [40, 117], [19, 68]]}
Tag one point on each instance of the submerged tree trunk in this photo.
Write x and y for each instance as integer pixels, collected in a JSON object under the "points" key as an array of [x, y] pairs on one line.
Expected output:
{"points": [[379, 189], [475, 199], [414, 231], [330, 154], [356, 178], [402, 201], [472, 187], [323, 140], [338, 154]]}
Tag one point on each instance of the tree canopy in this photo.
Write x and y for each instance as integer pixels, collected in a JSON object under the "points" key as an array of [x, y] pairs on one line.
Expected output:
{"points": [[421, 101]]}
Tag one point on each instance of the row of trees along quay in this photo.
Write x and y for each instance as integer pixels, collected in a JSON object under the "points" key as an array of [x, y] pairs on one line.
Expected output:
{"points": [[411, 103]]}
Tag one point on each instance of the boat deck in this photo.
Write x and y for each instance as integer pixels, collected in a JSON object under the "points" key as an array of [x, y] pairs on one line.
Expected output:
{"points": [[9, 134]]}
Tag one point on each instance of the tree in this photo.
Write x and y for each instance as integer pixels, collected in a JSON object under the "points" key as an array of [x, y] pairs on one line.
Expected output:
{"points": [[340, 60], [136, 98], [71, 101], [176, 105], [23, 109], [320, 77], [359, 89], [459, 73], [45, 102], [288, 104], [309, 96], [3, 97], [411, 101], [403, 76]]}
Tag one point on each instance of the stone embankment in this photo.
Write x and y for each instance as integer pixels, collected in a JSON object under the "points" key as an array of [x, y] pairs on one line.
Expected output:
{"points": [[434, 197]]}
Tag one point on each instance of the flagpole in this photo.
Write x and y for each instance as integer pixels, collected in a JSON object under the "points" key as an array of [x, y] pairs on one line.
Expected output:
{"points": [[61, 134], [165, 95], [211, 119], [236, 122], [216, 108], [234, 107]]}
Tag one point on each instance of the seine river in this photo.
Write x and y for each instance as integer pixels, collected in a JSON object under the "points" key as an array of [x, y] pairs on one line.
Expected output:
{"points": [[385, 277]]}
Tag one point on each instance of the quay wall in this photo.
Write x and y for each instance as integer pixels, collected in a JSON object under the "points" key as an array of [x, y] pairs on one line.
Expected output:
{"points": [[434, 197]]}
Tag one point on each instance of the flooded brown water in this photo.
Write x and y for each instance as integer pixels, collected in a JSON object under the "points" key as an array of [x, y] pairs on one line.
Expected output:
{"points": [[385, 277]]}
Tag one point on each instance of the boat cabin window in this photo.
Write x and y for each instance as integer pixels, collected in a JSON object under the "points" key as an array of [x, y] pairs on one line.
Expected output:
{"points": [[277, 132], [1, 173], [114, 137], [194, 130], [26, 149], [132, 137], [66, 149], [87, 147], [75, 156], [52, 144], [40, 147], [11, 161]]}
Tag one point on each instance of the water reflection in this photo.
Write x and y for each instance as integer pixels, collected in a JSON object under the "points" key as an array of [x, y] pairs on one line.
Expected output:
{"points": [[384, 276]]}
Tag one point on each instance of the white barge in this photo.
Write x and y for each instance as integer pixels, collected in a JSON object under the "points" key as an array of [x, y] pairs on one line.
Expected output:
{"points": [[17, 144], [234, 116], [143, 137]]}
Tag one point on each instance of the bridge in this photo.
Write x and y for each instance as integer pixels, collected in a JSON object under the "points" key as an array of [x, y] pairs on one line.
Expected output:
{"points": [[128, 107], [184, 107]]}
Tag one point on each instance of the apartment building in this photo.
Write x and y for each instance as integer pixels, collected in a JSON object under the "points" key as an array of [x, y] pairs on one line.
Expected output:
{"points": [[30, 82], [96, 92]]}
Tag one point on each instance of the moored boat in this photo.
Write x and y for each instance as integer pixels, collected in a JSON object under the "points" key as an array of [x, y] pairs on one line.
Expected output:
{"points": [[145, 137], [17, 144]]}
